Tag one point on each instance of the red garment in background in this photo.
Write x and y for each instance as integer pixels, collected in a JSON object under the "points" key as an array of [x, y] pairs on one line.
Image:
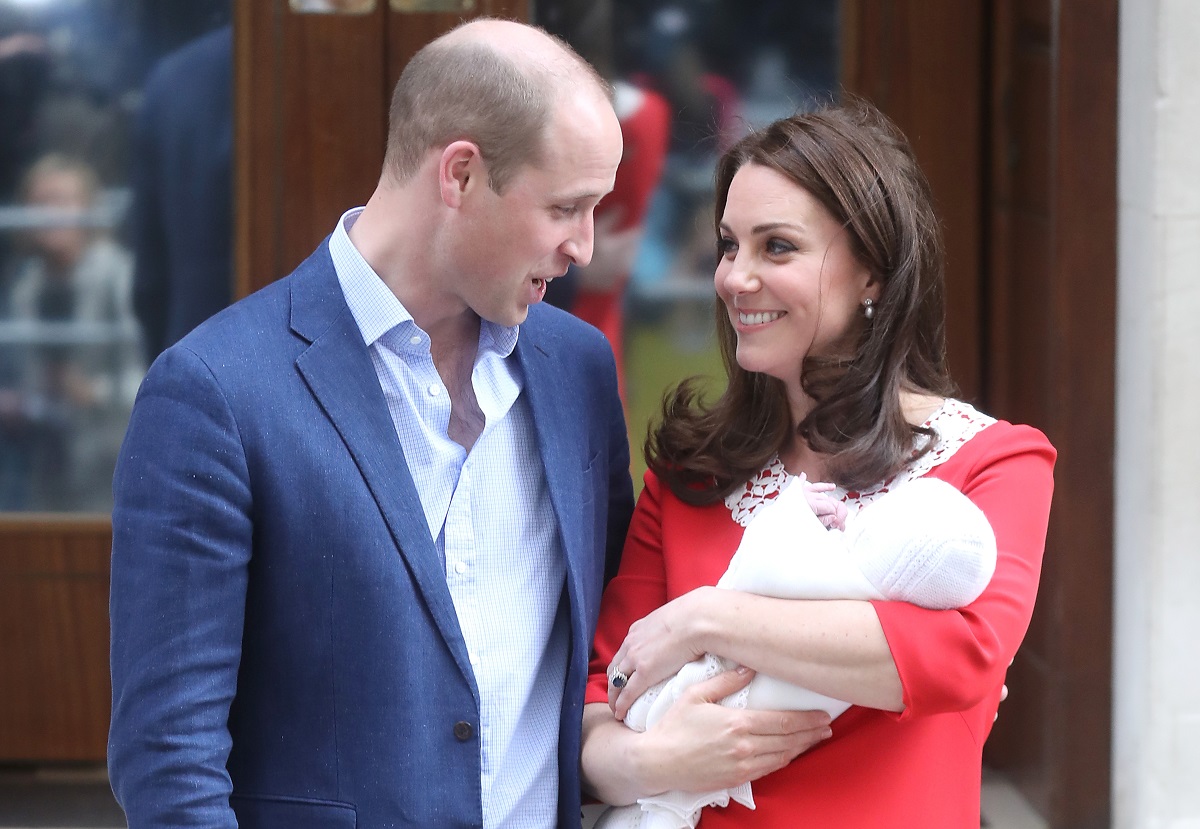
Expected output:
{"points": [[645, 129]]}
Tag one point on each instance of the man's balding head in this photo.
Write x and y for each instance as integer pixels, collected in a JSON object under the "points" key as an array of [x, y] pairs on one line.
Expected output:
{"points": [[492, 82]]}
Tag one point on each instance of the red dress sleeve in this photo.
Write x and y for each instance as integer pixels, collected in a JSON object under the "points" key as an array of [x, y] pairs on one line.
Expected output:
{"points": [[951, 660]]}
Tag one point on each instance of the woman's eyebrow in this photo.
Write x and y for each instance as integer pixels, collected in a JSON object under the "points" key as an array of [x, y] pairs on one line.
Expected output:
{"points": [[769, 226], [766, 227]]}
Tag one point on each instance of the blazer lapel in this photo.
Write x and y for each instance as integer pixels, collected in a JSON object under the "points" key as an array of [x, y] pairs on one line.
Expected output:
{"points": [[563, 451], [339, 372]]}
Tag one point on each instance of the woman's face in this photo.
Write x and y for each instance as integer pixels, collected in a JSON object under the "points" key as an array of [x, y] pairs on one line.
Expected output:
{"points": [[787, 277]]}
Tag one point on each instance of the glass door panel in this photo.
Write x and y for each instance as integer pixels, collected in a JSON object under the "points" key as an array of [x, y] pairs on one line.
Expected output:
{"points": [[117, 123]]}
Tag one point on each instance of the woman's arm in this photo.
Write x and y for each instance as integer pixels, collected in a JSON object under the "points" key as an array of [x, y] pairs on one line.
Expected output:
{"points": [[952, 660], [697, 745], [836, 648]]}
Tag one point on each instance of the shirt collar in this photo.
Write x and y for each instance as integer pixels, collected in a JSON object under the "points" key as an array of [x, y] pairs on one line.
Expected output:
{"points": [[377, 310]]}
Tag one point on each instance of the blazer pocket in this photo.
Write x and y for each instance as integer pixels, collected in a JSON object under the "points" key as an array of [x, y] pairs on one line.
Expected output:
{"points": [[274, 812]]}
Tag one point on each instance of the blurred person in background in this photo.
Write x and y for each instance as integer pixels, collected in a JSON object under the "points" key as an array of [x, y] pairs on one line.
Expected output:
{"points": [[596, 293], [182, 176], [76, 378]]}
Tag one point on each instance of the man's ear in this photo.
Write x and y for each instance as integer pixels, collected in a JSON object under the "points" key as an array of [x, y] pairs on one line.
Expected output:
{"points": [[460, 169]]}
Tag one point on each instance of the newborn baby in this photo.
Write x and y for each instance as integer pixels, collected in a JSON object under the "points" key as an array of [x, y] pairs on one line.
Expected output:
{"points": [[924, 542]]}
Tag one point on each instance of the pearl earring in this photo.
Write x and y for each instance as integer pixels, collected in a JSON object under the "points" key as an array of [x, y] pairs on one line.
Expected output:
{"points": [[868, 307]]}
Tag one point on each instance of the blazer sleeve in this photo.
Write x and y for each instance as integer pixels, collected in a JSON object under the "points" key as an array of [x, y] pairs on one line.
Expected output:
{"points": [[950, 660], [181, 548]]}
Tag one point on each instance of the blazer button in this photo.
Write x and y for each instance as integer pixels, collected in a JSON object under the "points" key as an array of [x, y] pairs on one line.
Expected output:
{"points": [[463, 731]]}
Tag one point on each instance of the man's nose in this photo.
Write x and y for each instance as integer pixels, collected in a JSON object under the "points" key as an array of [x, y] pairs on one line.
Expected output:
{"points": [[580, 244]]}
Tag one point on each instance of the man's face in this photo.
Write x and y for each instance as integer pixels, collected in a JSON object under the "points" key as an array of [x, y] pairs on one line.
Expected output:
{"points": [[542, 223]]}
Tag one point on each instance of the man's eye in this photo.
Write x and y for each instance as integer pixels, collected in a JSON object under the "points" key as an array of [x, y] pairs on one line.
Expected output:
{"points": [[566, 209]]}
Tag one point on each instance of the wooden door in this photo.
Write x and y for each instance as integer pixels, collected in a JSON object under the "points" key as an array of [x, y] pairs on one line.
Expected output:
{"points": [[54, 688], [1011, 106], [920, 62], [1052, 257]]}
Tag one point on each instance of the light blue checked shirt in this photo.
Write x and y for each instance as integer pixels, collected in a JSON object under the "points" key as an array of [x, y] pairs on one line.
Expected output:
{"points": [[489, 512]]}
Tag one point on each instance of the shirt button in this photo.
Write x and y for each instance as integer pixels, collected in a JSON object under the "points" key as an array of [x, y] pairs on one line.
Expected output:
{"points": [[415, 339], [434, 389], [460, 568], [463, 731]]}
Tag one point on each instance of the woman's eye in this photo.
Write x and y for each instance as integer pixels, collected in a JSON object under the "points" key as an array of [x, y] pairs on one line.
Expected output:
{"points": [[725, 246], [776, 247]]}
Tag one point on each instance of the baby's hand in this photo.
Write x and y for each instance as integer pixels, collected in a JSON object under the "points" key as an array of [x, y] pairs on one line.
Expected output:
{"points": [[831, 511]]}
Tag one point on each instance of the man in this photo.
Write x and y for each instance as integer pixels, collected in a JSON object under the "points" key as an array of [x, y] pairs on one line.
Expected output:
{"points": [[183, 191], [364, 516]]}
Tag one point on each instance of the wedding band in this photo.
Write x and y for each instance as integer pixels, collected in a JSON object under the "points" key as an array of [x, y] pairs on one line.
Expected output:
{"points": [[617, 677]]}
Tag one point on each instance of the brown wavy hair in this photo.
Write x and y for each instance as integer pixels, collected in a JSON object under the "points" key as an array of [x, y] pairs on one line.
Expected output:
{"points": [[860, 167]]}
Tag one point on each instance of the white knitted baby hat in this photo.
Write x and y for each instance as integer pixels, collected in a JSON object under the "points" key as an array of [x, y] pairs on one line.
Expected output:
{"points": [[924, 542]]}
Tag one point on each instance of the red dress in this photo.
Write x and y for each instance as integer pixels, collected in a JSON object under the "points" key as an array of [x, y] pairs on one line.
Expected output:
{"points": [[920, 768]]}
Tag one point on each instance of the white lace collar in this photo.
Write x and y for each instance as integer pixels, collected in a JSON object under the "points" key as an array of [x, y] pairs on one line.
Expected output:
{"points": [[955, 423]]}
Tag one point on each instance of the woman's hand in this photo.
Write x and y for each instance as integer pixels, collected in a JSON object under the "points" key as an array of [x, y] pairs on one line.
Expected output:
{"points": [[707, 746], [656, 647], [698, 745]]}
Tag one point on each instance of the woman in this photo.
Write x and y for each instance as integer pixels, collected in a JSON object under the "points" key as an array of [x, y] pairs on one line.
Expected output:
{"points": [[830, 277]]}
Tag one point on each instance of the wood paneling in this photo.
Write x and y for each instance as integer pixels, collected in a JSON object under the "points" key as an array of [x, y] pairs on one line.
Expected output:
{"points": [[1081, 344], [54, 687], [920, 63], [1044, 131], [409, 32], [1054, 282], [310, 95]]}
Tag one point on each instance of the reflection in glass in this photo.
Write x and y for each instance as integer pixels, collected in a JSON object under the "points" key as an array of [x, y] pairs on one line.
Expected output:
{"points": [[73, 359], [411, 6], [72, 347], [332, 6], [714, 71]]}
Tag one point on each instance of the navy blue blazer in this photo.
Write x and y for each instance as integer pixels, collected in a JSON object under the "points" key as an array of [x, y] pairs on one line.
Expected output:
{"points": [[284, 645]]}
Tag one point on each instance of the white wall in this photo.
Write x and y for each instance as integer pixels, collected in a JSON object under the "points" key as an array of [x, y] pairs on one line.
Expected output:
{"points": [[1156, 716]]}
